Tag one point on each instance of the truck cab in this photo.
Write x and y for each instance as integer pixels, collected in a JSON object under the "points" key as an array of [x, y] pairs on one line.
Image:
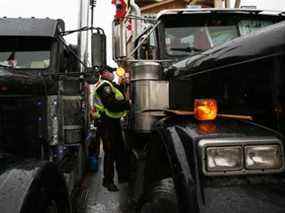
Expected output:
{"points": [[186, 32], [188, 54], [43, 116]]}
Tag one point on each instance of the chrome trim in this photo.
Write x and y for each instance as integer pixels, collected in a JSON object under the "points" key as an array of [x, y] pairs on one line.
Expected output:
{"points": [[72, 98], [145, 70], [137, 12], [119, 40], [72, 127], [53, 118], [243, 142], [150, 95]]}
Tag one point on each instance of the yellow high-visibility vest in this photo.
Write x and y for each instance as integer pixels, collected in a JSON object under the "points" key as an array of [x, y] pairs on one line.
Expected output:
{"points": [[99, 105]]}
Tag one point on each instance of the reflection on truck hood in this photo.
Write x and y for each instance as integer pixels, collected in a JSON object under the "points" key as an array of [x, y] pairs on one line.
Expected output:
{"points": [[223, 128], [264, 43]]}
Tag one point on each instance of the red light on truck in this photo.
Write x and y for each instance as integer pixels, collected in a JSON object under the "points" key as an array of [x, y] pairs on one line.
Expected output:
{"points": [[205, 109]]}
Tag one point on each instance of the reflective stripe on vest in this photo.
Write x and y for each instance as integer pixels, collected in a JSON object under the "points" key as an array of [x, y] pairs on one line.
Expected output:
{"points": [[99, 105]]}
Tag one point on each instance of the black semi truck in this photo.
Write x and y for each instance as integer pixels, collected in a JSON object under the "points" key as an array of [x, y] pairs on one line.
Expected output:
{"points": [[229, 59], [234, 163], [221, 59], [44, 113]]}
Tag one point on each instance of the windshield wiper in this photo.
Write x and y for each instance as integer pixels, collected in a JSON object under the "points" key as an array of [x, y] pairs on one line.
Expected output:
{"points": [[187, 49]]}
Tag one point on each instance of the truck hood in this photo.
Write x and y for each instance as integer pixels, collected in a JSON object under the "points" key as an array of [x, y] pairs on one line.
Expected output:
{"points": [[181, 137]]}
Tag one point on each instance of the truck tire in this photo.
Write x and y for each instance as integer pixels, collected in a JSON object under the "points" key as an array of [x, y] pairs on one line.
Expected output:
{"points": [[161, 198], [47, 194]]}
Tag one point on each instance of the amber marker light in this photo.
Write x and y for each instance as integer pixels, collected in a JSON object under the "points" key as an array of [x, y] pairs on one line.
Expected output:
{"points": [[205, 109], [120, 71]]}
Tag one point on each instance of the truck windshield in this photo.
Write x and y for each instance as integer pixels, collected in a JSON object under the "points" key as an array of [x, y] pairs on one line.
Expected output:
{"points": [[25, 52], [187, 38]]}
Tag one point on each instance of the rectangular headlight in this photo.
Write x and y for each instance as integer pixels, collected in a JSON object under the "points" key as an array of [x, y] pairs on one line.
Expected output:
{"points": [[224, 158], [263, 157]]}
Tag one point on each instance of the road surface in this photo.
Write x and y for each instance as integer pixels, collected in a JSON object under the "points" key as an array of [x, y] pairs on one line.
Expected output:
{"points": [[95, 198]]}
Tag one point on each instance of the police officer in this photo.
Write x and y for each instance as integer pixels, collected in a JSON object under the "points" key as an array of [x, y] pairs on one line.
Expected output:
{"points": [[111, 105]]}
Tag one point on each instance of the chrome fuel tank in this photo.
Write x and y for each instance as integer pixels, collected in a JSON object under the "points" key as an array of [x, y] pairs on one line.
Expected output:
{"points": [[148, 93], [145, 70]]}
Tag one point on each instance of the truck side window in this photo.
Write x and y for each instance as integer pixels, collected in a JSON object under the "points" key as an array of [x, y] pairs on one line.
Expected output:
{"points": [[148, 49], [25, 52], [153, 45]]}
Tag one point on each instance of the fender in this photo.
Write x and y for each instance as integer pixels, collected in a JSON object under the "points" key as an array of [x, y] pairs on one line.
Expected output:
{"points": [[180, 136], [17, 181]]}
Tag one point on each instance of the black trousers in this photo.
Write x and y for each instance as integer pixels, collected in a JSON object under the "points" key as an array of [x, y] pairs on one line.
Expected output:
{"points": [[115, 150]]}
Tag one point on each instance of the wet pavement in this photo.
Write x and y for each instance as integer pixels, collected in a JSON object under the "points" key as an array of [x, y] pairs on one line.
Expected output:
{"points": [[98, 199]]}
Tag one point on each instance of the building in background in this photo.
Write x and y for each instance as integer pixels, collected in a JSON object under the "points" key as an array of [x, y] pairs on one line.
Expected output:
{"points": [[154, 6]]}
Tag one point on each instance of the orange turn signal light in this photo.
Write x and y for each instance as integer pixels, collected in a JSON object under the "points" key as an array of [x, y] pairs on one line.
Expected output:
{"points": [[205, 109]]}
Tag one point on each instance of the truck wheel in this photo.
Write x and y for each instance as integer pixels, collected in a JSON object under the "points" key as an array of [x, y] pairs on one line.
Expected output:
{"points": [[161, 198], [52, 207], [47, 194], [41, 201]]}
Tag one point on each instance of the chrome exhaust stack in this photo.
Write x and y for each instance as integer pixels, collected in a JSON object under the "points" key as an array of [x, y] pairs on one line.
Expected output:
{"points": [[83, 39], [121, 43], [136, 12]]}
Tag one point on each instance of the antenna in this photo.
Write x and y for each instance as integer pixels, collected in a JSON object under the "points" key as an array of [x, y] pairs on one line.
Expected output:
{"points": [[92, 5]]}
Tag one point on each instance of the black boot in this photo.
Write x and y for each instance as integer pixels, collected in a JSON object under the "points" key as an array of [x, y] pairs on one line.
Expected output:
{"points": [[123, 180], [110, 186]]}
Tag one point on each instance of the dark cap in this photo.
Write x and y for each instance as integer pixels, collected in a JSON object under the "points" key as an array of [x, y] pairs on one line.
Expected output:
{"points": [[110, 69], [107, 69]]}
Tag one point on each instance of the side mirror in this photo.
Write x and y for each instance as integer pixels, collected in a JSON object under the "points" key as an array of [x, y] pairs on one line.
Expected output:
{"points": [[98, 46]]}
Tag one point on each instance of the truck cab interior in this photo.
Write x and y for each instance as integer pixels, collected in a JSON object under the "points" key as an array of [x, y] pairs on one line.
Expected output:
{"points": [[27, 52]]}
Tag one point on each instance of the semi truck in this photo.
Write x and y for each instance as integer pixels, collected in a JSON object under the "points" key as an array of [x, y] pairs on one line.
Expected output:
{"points": [[209, 58], [206, 125], [44, 112]]}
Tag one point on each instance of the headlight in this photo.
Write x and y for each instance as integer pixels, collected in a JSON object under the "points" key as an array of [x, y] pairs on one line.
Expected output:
{"points": [[241, 156], [224, 158], [263, 157]]}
